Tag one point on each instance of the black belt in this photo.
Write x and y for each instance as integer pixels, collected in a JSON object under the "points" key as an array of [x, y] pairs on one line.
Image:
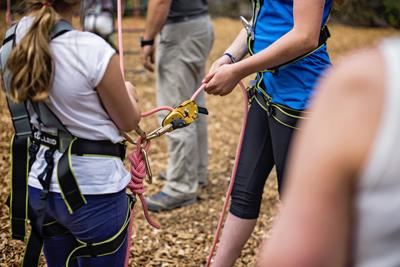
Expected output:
{"points": [[69, 187], [178, 19]]}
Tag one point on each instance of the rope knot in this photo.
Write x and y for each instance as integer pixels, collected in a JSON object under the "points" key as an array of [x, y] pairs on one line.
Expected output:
{"points": [[138, 173]]}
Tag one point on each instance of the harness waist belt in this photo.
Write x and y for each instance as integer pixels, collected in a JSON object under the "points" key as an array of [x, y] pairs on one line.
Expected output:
{"points": [[283, 115], [84, 147]]}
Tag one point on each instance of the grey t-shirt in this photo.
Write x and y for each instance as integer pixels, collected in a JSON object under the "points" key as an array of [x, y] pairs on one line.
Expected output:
{"points": [[180, 8]]}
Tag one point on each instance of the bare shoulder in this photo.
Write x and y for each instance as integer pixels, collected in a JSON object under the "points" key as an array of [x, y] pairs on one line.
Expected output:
{"points": [[349, 103]]}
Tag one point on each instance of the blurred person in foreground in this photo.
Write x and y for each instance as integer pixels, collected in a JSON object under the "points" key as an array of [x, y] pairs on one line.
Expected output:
{"points": [[289, 33], [342, 201], [185, 38]]}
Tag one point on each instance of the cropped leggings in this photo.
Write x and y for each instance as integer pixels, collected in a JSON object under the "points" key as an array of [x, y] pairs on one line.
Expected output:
{"points": [[266, 143]]}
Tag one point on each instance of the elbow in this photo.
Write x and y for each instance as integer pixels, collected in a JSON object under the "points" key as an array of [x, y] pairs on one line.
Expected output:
{"points": [[308, 41], [130, 123]]}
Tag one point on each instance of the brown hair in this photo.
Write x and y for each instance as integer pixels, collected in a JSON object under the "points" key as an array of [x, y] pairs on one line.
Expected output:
{"points": [[339, 2], [31, 62]]}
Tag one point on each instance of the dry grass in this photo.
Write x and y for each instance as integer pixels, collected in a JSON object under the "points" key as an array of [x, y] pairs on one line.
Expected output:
{"points": [[186, 233]]}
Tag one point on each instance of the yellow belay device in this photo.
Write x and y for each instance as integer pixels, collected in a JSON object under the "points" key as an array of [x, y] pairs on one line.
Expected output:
{"points": [[181, 116]]}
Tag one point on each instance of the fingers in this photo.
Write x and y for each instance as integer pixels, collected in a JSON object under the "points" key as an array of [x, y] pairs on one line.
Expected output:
{"points": [[148, 65], [212, 87], [147, 58], [208, 77]]}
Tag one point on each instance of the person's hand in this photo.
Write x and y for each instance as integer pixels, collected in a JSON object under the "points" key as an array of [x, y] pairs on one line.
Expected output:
{"points": [[147, 57], [220, 62], [222, 81]]}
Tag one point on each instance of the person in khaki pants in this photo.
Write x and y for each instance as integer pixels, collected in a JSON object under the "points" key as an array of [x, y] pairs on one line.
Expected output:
{"points": [[185, 38]]}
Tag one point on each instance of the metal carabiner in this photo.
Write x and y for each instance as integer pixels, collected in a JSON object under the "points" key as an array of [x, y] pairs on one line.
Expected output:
{"points": [[148, 167], [248, 27], [159, 132]]}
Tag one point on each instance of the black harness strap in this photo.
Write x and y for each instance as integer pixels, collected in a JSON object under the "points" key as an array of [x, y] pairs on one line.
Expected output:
{"points": [[19, 189], [35, 242], [45, 180], [66, 178], [33, 249], [282, 114]]}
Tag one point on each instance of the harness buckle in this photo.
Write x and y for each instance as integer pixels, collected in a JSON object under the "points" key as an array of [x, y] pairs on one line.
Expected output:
{"points": [[33, 149], [248, 27]]}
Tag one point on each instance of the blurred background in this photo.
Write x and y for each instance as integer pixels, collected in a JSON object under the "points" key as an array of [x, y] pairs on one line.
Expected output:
{"points": [[371, 13]]}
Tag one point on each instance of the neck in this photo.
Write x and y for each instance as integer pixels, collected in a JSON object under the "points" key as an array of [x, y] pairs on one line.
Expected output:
{"points": [[67, 16]]}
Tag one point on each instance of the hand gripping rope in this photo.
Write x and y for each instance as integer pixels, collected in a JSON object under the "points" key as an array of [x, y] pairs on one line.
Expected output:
{"points": [[138, 158]]}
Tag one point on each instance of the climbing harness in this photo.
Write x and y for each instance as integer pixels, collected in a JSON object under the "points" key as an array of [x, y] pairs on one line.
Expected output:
{"points": [[282, 114], [257, 91], [25, 145]]}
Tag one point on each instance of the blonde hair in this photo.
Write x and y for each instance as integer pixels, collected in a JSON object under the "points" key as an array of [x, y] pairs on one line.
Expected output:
{"points": [[31, 61]]}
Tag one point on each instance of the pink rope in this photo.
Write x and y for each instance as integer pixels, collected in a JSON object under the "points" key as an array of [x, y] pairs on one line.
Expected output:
{"points": [[229, 192], [153, 111], [138, 167], [120, 43], [136, 186], [8, 13], [198, 92]]}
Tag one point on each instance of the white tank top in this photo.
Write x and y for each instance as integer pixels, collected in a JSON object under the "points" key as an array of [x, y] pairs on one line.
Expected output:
{"points": [[80, 59], [377, 204]]}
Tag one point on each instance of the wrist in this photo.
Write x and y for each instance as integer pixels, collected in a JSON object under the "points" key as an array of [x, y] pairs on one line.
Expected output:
{"points": [[238, 70], [144, 42], [229, 56]]}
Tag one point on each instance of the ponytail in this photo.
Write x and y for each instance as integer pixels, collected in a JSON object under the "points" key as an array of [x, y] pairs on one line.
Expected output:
{"points": [[31, 62]]}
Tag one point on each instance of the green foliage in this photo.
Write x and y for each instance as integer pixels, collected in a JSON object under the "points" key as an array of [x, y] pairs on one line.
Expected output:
{"points": [[392, 12], [376, 13]]}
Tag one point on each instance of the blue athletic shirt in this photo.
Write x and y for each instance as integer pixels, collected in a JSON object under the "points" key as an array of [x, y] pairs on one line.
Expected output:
{"points": [[292, 85]]}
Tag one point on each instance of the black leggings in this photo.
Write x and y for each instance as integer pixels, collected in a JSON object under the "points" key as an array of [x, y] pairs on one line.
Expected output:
{"points": [[266, 143]]}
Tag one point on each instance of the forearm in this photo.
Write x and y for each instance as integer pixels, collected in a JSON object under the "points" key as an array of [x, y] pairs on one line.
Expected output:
{"points": [[239, 48], [290, 46], [157, 13]]}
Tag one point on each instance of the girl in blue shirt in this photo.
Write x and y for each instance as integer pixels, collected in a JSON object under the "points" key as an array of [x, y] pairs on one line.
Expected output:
{"points": [[281, 31]]}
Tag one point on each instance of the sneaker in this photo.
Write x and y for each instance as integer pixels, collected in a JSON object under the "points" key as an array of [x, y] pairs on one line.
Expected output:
{"points": [[203, 182], [163, 202], [162, 175]]}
